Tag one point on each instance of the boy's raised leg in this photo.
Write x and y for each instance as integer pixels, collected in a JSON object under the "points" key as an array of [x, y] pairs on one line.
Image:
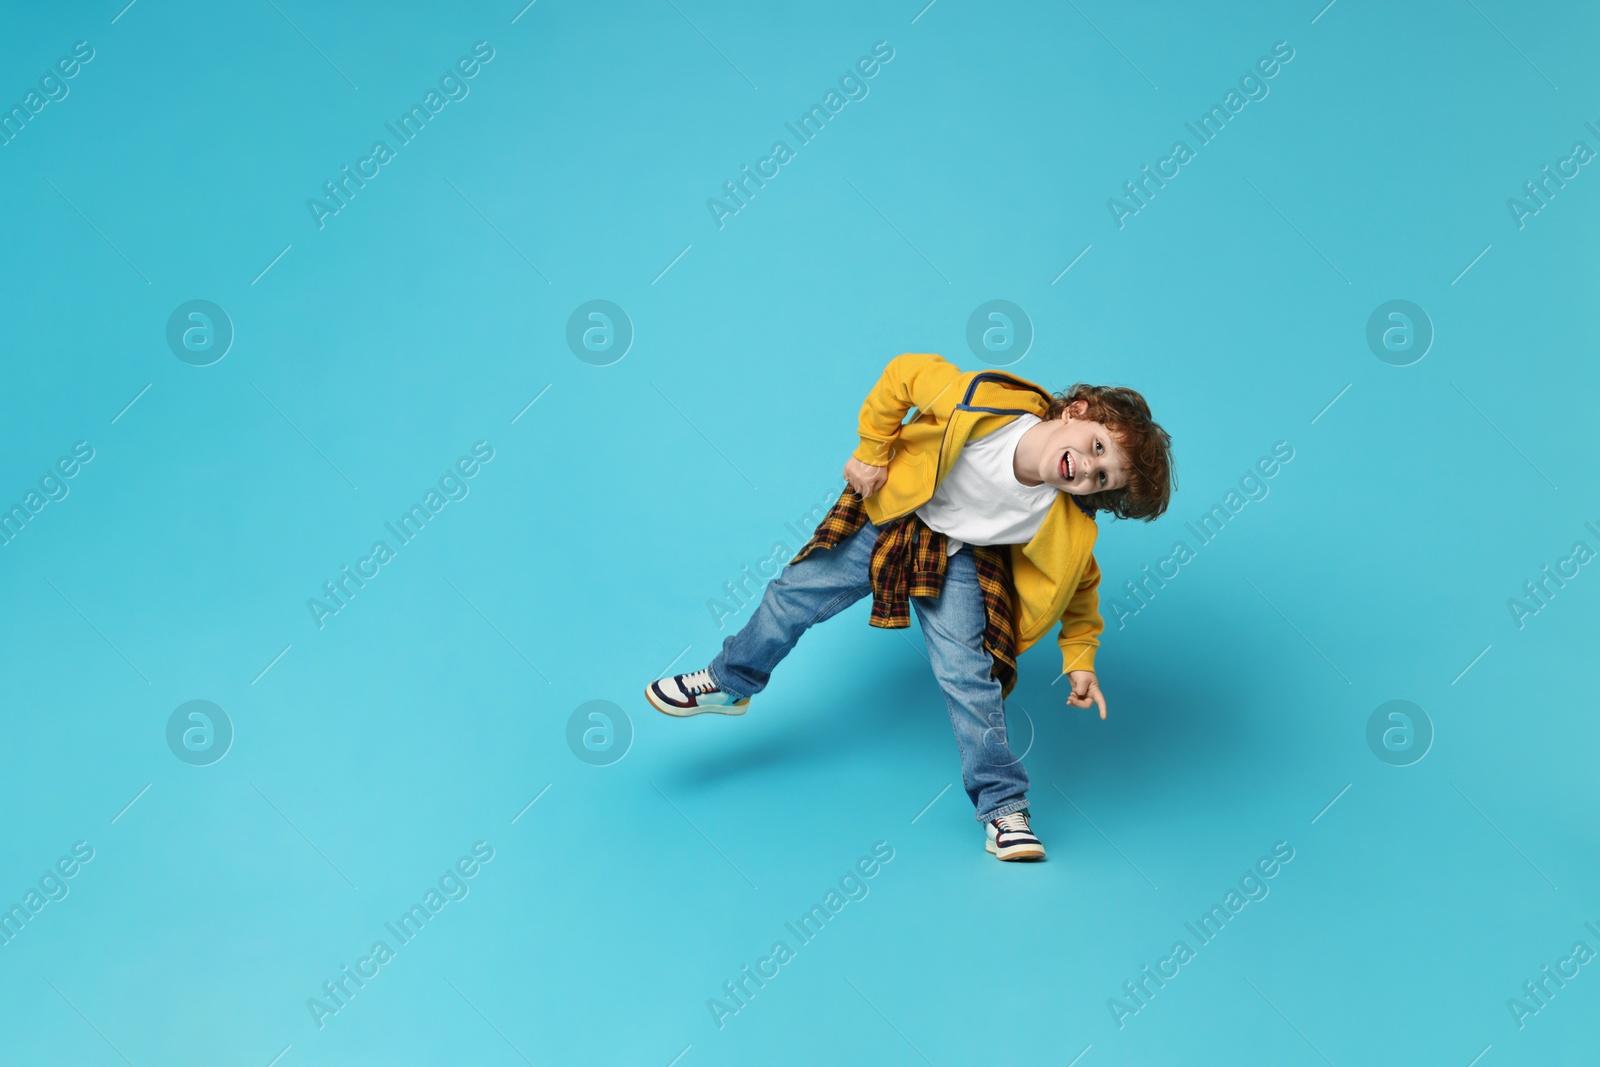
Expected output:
{"points": [[820, 586], [817, 588]]}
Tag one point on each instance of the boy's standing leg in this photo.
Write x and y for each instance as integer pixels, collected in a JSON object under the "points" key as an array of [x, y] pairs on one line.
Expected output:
{"points": [[995, 780], [820, 586]]}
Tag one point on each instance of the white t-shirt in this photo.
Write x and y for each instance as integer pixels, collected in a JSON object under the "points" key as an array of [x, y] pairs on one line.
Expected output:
{"points": [[980, 502]]}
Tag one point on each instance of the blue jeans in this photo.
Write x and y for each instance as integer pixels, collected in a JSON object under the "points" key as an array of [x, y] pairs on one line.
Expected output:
{"points": [[829, 580]]}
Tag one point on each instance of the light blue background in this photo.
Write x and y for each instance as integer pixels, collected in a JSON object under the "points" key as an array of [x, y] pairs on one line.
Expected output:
{"points": [[380, 747]]}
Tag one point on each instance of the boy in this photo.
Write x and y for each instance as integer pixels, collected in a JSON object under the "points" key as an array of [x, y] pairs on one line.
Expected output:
{"points": [[979, 509]]}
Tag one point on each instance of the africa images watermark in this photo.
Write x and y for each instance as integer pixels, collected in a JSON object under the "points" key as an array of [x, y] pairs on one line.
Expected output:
{"points": [[852, 887], [453, 885], [53, 886], [52, 487], [1537, 593], [1538, 992], [452, 87], [53, 88], [810, 124], [453, 485], [1253, 486], [1539, 193], [1253, 84], [744, 590], [1140, 991]]}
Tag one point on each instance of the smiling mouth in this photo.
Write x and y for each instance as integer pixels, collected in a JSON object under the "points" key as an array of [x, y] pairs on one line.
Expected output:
{"points": [[1067, 468]]}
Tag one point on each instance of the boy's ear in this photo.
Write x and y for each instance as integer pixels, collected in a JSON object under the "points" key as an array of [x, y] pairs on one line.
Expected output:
{"points": [[1075, 410]]}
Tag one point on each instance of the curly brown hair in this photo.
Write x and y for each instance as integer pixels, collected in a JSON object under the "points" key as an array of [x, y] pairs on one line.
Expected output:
{"points": [[1151, 477]]}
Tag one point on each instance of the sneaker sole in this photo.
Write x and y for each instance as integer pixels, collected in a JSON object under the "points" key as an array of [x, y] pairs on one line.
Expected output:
{"points": [[1015, 852], [684, 713]]}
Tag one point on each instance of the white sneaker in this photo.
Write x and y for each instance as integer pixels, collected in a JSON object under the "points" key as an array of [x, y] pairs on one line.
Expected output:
{"points": [[692, 694], [1010, 838]]}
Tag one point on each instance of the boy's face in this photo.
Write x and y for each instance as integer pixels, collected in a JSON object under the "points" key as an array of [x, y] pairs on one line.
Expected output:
{"points": [[1080, 456]]}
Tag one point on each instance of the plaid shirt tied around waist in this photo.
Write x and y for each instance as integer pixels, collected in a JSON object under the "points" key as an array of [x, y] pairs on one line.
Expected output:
{"points": [[909, 560]]}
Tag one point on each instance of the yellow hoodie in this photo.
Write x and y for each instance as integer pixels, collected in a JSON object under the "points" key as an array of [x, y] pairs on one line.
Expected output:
{"points": [[1054, 576]]}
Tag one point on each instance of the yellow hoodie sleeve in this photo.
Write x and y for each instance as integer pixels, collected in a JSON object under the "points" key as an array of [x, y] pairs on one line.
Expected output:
{"points": [[1081, 624], [913, 380]]}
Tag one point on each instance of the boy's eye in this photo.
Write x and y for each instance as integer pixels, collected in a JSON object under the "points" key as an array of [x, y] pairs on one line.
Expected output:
{"points": [[1099, 447], [1102, 478]]}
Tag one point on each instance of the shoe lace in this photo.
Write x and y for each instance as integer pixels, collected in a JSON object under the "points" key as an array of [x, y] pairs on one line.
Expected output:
{"points": [[1015, 821], [697, 683]]}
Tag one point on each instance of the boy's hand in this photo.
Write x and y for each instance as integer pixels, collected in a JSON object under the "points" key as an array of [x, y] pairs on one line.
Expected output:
{"points": [[864, 478], [1085, 691]]}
